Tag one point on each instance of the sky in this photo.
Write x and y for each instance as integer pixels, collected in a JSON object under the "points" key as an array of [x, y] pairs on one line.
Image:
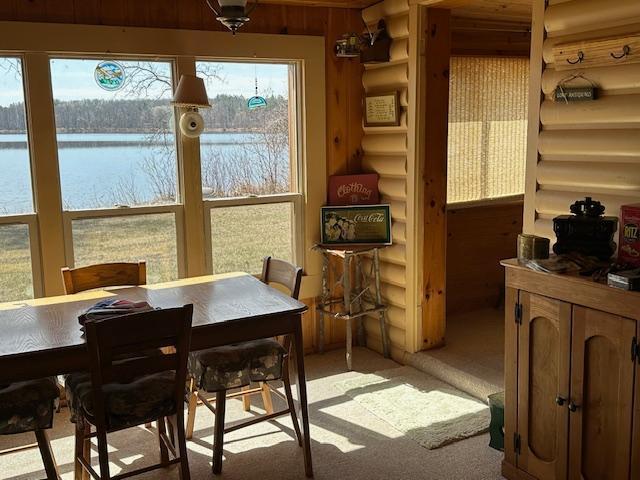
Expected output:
{"points": [[73, 79]]}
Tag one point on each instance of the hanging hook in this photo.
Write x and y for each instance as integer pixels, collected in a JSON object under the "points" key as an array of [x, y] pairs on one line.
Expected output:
{"points": [[580, 59], [626, 50]]}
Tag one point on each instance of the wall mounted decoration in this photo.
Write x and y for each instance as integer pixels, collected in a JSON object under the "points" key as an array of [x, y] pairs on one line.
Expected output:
{"points": [[361, 189], [348, 46], [370, 224], [382, 109], [567, 91], [109, 75], [377, 45], [598, 52]]}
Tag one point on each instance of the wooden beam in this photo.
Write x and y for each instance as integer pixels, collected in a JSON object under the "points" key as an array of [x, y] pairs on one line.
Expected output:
{"points": [[435, 68]]}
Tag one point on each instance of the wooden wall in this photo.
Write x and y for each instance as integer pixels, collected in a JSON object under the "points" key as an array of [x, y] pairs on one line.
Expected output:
{"points": [[582, 148], [343, 76], [478, 238]]}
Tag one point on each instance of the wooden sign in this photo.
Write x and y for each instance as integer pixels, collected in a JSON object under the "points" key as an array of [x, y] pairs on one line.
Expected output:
{"points": [[370, 224], [575, 94], [359, 189], [382, 110]]}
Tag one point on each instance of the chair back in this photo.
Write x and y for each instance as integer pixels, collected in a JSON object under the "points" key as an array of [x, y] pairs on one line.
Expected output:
{"points": [[104, 275], [116, 344], [282, 273]]}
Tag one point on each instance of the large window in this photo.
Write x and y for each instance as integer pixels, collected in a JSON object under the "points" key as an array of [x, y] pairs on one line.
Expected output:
{"points": [[249, 163], [487, 128], [117, 158], [17, 222]]}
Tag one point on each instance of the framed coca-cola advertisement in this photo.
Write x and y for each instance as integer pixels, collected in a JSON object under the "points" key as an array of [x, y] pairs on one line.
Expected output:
{"points": [[358, 224], [360, 189]]}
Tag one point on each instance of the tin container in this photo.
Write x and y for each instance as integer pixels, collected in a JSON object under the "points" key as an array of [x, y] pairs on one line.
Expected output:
{"points": [[532, 247], [629, 244]]}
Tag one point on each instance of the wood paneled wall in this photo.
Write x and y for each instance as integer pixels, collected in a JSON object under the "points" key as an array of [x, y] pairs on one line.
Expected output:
{"points": [[478, 238], [581, 148], [343, 76]]}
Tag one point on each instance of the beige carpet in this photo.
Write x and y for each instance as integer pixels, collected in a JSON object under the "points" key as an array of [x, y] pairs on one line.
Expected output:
{"points": [[348, 441], [426, 409]]}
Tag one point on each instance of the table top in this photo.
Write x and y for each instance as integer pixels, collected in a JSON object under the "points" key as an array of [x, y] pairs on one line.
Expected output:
{"points": [[52, 323]]}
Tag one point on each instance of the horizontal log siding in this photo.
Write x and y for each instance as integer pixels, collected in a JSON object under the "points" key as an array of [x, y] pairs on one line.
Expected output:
{"points": [[588, 148]]}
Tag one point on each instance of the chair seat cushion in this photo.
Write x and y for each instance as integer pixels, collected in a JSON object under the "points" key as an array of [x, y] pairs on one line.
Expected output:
{"points": [[27, 406], [234, 366], [142, 400]]}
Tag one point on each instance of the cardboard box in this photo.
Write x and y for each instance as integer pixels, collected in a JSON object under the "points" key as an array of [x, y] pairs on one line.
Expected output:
{"points": [[629, 244], [359, 189]]}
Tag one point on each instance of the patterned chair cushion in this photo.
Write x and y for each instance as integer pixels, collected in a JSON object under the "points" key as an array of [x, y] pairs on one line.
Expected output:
{"points": [[27, 406], [234, 366], [143, 400]]}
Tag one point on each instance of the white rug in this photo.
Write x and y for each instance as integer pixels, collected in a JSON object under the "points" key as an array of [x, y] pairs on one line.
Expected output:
{"points": [[429, 411]]}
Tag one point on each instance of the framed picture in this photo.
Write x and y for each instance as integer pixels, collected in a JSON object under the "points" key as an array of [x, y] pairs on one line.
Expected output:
{"points": [[356, 224], [382, 109]]}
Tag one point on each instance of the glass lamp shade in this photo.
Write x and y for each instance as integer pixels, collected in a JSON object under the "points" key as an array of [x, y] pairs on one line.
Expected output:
{"points": [[191, 92]]}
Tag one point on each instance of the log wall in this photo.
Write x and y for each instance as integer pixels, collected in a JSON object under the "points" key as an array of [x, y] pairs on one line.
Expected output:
{"points": [[387, 151], [582, 148]]}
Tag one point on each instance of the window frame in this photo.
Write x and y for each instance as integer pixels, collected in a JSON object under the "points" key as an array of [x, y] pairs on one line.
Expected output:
{"points": [[38, 43]]}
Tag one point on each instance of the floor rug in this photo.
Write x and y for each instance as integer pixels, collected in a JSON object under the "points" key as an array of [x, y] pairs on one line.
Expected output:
{"points": [[429, 411]]}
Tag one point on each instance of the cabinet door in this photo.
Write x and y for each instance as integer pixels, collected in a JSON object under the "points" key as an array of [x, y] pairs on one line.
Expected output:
{"points": [[543, 382], [602, 371]]}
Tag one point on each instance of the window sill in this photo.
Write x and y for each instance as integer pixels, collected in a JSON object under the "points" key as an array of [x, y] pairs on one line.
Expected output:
{"points": [[487, 202]]}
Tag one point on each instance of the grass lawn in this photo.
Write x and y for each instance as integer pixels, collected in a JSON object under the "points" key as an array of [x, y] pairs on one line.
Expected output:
{"points": [[241, 237]]}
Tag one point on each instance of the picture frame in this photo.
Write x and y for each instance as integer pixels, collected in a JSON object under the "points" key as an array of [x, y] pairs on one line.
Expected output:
{"points": [[356, 225], [382, 109]]}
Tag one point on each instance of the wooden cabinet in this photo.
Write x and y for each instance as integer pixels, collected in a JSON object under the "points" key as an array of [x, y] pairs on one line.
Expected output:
{"points": [[571, 370]]}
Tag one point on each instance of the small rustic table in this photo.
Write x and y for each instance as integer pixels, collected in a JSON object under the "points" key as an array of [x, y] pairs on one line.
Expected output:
{"points": [[359, 298]]}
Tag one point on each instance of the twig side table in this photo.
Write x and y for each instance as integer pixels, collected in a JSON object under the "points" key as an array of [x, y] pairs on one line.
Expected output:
{"points": [[359, 297]]}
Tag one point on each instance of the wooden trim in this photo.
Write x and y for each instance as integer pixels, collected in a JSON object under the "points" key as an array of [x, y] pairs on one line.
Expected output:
{"points": [[437, 52], [489, 202], [536, 68], [44, 169], [510, 375]]}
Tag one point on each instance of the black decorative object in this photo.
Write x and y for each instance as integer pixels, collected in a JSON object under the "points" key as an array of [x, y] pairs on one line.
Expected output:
{"points": [[378, 45], [587, 231]]}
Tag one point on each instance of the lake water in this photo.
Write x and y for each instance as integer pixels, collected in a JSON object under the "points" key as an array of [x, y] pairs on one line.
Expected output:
{"points": [[94, 167]]}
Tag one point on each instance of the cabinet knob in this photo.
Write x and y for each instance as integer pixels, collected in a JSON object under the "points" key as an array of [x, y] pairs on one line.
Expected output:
{"points": [[560, 400], [572, 407]]}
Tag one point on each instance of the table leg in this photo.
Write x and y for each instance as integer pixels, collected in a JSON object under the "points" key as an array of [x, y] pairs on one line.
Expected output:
{"points": [[362, 339], [302, 395], [323, 303], [346, 287], [383, 328]]}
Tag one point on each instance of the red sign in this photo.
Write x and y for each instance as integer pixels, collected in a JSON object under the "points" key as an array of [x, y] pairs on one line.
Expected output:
{"points": [[361, 189], [629, 244]]}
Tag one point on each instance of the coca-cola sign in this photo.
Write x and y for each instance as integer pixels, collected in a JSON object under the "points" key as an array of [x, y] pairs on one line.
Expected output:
{"points": [[358, 224], [359, 189]]}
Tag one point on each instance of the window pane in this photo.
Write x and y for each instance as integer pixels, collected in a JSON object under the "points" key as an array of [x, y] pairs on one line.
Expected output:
{"points": [[246, 151], [243, 236], [151, 238], [487, 127], [16, 281], [15, 182], [115, 147]]}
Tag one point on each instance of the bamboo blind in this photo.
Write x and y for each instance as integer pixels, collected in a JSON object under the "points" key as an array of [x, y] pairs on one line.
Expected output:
{"points": [[487, 127]]}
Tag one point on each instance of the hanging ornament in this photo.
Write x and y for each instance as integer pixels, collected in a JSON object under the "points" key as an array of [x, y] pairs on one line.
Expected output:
{"points": [[256, 101]]}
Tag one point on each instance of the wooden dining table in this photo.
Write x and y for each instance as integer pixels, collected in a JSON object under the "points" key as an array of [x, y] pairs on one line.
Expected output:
{"points": [[42, 337]]}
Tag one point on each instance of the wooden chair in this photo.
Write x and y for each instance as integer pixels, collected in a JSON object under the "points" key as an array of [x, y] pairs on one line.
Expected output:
{"points": [[28, 407], [221, 369], [103, 275], [106, 398]]}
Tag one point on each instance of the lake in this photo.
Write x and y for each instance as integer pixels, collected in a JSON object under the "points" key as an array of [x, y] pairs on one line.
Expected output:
{"points": [[95, 168]]}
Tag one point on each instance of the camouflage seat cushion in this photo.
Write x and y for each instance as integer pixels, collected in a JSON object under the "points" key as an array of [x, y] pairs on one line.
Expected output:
{"points": [[142, 400], [27, 406], [234, 366]]}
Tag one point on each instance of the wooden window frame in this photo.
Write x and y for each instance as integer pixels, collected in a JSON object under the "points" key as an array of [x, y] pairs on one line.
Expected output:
{"points": [[37, 43]]}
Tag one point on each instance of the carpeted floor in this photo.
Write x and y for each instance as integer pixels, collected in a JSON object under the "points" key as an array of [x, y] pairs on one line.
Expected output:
{"points": [[348, 441]]}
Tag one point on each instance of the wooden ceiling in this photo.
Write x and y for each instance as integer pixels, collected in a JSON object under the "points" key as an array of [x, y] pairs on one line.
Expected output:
{"points": [[518, 11]]}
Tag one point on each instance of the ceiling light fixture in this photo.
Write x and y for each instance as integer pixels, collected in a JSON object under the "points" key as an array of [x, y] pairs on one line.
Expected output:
{"points": [[232, 13]]}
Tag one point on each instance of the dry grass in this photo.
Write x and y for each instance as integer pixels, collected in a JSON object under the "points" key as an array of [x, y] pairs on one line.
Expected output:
{"points": [[241, 237]]}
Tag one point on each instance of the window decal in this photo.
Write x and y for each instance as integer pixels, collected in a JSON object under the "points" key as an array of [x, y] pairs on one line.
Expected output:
{"points": [[109, 75]]}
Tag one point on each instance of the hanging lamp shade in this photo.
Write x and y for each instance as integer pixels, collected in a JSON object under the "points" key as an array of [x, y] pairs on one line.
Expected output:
{"points": [[191, 92]]}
